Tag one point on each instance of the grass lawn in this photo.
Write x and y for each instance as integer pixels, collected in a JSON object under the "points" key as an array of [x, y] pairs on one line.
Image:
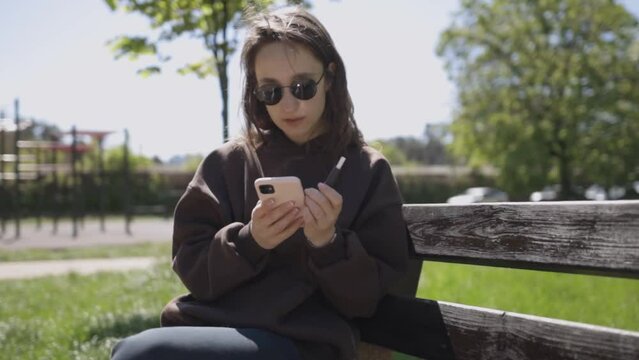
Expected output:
{"points": [[81, 317], [591, 299], [159, 249]]}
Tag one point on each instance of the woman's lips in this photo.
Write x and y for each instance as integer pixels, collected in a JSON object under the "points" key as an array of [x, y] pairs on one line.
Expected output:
{"points": [[293, 121]]}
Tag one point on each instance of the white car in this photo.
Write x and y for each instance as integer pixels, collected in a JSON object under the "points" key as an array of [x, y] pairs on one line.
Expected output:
{"points": [[596, 192], [548, 193], [477, 195]]}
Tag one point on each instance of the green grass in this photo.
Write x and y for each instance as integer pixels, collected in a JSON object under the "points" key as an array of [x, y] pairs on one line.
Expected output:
{"points": [[591, 299], [81, 317], [159, 249]]}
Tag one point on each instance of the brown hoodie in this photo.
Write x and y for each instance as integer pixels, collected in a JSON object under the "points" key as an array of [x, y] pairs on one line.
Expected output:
{"points": [[308, 294]]}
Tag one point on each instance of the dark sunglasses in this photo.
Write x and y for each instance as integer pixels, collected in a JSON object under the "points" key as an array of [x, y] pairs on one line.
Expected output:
{"points": [[301, 89]]}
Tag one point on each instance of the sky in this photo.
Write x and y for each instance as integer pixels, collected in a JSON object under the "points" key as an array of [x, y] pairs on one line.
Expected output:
{"points": [[54, 59]]}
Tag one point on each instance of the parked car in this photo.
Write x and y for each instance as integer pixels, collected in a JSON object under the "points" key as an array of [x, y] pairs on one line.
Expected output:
{"points": [[593, 192], [617, 192], [596, 192], [477, 195], [548, 193]]}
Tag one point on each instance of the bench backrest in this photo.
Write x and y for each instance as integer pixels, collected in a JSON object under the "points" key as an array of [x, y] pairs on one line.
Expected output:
{"points": [[599, 238]]}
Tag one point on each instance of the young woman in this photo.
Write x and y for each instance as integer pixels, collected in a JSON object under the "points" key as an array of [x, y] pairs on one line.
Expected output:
{"points": [[285, 281]]}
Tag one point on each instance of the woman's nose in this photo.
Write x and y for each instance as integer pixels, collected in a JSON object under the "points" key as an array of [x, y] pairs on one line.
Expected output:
{"points": [[289, 102]]}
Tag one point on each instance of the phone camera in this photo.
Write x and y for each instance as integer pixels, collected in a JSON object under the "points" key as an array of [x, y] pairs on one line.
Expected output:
{"points": [[267, 189]]}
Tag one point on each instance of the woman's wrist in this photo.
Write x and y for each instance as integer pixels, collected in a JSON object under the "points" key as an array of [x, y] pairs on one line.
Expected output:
{"points": [[330, 240]]}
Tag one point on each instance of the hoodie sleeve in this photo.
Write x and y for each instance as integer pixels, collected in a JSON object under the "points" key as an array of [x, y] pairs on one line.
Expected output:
{"points": [[212, 254], [357, 269]]}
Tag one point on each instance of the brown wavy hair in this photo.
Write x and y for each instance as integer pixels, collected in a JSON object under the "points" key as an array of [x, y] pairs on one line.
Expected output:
{"points": [[298, 26]]}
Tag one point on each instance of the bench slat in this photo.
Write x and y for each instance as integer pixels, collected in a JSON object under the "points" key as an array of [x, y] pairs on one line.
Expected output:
{"points": [[582, 237], [478, 333]]}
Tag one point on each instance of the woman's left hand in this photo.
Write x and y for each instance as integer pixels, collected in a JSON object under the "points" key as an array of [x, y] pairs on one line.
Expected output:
{"points": [[322, 207]]}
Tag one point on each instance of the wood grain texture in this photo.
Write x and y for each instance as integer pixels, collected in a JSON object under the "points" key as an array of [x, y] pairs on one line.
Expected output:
{"points": [[373, 352], [582, 237], [478, 333]]}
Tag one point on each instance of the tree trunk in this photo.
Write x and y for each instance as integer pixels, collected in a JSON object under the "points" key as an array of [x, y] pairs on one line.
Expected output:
{"points": [[220, 50], [565, 176], [225, 100], [222, 73]]}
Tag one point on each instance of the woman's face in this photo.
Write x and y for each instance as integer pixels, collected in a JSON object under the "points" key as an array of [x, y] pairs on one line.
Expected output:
{"points": [[282, 64]]}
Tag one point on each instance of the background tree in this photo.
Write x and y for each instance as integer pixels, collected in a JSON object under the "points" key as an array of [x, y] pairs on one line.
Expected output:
{"points": [[437, 136], [215, 22], [392, 153], [427, 150], [547, 90]]}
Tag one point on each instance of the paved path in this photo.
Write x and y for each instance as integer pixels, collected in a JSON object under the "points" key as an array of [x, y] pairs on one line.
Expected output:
{"points": [[31, 269], [90, 234]]}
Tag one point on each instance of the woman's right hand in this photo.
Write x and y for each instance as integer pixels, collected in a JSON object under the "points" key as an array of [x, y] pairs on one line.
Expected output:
{"points": [[270, 224]]}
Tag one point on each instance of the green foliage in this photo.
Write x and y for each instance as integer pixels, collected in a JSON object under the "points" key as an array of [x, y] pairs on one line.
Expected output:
{"points": [[391, 152], [110, 191], [546, 90], [415, 190], [192, 162], [215, 23], [410, 150], [114, 160], [420, 189], [200, 69], [81, 317], [132, 47], [207, 21], [149, 70], [589, 299]]}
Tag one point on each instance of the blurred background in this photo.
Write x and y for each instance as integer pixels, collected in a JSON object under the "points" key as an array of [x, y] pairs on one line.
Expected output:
{"points": [[108, 106], [537, 101]]}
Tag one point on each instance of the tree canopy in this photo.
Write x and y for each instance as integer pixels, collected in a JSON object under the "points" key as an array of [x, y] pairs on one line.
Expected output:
{"points": [[547, 90], [214, 22]]}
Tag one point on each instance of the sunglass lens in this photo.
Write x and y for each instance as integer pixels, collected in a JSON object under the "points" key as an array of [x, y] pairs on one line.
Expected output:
{"points": [[269, 95], [304, 90]]}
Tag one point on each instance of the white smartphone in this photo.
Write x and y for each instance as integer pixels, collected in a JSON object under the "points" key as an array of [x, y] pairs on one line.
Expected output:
{"points": [[282, 189]]}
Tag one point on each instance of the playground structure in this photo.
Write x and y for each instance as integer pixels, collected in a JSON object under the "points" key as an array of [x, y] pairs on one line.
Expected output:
{"points": [[54, 174]]}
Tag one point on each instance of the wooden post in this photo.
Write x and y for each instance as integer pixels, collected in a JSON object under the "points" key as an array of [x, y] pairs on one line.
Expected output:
{"points": [[38, 188], [81, 202], [16, 167], [127, 184], [101, 198], [3, 210], [54, 190], [74, 180]]}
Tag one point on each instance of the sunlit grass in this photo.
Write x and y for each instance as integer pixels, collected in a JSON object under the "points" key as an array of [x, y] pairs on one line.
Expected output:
{"points": [[81, 317], [158, 249], [591, 299]]}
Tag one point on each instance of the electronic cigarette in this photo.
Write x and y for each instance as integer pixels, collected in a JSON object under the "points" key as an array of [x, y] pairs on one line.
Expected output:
{"points": [[334, 174]]}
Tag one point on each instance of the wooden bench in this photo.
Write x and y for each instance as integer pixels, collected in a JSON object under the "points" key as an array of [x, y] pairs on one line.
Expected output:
{"points": [[600, 238]]}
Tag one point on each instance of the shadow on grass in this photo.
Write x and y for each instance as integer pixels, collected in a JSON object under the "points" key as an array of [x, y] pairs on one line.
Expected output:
{"points": [[121, 326]]}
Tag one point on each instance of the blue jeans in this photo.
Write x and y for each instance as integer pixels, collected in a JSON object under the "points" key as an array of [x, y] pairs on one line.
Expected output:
{"points": [[210, 343]]}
